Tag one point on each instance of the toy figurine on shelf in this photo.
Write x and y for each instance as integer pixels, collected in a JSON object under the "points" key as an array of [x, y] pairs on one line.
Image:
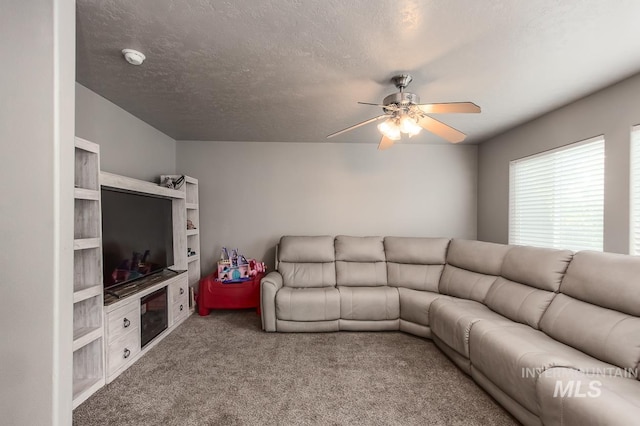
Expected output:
{"points": [[256, 267], [224, 256], [190, 224], [173, 182], [234, 257]]}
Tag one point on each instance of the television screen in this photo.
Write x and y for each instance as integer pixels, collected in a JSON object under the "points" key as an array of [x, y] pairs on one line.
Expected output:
{"points": [[137, 236]]}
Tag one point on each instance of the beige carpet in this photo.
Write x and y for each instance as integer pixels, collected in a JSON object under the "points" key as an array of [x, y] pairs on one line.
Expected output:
{"points": [[223, 370]]}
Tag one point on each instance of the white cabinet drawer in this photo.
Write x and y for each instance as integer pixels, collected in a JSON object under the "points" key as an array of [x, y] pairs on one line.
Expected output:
{"points": [[123, 350], [123, 320], [180, 309], [179, 290]]}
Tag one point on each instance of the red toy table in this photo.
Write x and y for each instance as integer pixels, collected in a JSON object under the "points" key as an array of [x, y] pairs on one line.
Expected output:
{"points": [[214, 294]]}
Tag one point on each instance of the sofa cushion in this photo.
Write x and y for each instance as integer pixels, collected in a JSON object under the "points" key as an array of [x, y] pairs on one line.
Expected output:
{"points": [[307, 262], [604, 279], [308, 304], [359, 249], [478, 256], [416, 251], [314, 249], [415, 304], [583, 315], [571, 398], [518, 302], [369, 303], [529, 279], [513, 356], [307, 275], [465, 284], [415, 263], [537, 267], [608, 335], [472, 267], [360, 261], [451, 321]]}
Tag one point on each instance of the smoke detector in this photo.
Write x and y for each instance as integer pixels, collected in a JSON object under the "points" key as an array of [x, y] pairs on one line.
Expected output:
{"points": [[133, 56]]}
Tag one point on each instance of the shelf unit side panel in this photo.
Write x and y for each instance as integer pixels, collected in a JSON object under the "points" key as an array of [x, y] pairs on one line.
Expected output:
{"points": [[88, 327]]}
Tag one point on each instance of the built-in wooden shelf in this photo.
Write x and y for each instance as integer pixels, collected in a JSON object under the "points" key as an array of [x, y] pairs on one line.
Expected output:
{"points": [[85, 145], [85, 335], [192, 206], [86, 243], [87, 293], [192, 232], [124, 183], [86, 194], [193, 258], [83, 388]]}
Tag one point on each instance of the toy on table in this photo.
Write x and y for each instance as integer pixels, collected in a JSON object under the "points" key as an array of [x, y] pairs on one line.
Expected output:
{"points": [[236, 268]]}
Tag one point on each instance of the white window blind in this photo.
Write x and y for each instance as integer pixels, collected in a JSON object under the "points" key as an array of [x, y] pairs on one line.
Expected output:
{"points": [[635, 191], [557, 197]]}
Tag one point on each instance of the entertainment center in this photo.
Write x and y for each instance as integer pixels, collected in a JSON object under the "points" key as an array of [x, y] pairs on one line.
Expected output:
{"points": [[134, 264]]}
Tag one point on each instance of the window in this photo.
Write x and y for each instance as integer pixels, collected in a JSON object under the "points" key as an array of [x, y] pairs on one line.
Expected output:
{"points": [[557, 197], [634, 238]]}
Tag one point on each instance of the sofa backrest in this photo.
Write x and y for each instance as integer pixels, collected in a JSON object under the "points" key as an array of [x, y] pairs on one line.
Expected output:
{"points": [[528, 282], [360, 261], [598, 308], [472, 267], [307, 261], [415, 263]]}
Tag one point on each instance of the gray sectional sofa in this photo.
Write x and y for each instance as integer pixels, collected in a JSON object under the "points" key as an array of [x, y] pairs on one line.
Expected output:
{"points": [[553, 336]]}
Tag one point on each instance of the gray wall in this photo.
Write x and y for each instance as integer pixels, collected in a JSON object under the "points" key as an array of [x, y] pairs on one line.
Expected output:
{"points": [[128, 145], [36, 230], [610, 112], [252, 193]]}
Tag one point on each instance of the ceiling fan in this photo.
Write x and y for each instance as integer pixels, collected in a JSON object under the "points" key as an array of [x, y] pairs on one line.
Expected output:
{"points": [[405, 114]]}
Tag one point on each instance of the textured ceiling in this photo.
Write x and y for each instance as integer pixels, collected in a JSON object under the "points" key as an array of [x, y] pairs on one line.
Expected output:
{"points": [[293, 70]]}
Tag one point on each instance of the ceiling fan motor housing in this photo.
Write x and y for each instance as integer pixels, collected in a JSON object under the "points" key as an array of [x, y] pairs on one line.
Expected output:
{"points": [[402, 98]]}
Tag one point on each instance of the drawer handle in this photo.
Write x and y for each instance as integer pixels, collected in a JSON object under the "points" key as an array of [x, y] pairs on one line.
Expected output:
{"points": [[127, 352], [182, 291], [181, 307], [126, 323]]}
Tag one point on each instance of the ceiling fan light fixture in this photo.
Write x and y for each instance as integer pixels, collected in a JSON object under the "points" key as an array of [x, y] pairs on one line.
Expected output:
{"points": [[409, 126], [390, 129]]}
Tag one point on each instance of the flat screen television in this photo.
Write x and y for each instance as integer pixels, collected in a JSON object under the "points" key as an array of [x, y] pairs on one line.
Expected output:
{"points": [[137, 236]]}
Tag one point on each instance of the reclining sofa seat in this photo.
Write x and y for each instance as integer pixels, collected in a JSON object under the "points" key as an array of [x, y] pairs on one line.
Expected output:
{"points": [[304, 287], [528, 282], [597, 312], [472, 268], [414, 267], [366, 302]]}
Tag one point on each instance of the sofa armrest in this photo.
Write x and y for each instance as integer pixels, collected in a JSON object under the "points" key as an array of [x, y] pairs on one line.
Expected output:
{"points": [[269, 286]]}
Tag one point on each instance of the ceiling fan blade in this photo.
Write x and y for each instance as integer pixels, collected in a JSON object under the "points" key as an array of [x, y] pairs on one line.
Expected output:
{"points": [[389, 107], [371, 120], [449, 108], [441, 129], [385, 143]]}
